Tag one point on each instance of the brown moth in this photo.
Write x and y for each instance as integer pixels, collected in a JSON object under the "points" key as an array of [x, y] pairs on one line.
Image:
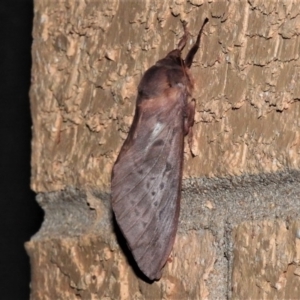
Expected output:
{"points": [[146, 178]]}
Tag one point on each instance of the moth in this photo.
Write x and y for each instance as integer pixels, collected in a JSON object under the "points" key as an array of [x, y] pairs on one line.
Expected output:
{"points": [[147, 175]]}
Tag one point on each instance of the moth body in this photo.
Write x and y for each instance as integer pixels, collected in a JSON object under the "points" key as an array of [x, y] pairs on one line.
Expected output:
{"points": [[146, 178]]}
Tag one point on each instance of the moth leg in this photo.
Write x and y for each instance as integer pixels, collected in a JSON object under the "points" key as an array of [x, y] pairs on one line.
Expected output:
{"points": [[189, 117], [183, 40], [189, 122], [190, 56]]}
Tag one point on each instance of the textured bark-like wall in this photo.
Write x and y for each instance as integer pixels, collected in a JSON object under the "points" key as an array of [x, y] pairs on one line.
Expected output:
{"points": [[237, 235]]}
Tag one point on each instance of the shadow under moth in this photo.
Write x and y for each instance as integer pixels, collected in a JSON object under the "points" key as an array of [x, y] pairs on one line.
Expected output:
{"points": [[146, 178]]}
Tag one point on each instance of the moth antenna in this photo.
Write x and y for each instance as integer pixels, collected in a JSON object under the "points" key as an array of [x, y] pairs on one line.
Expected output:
{"points": [[190, 56], [183, 40]]}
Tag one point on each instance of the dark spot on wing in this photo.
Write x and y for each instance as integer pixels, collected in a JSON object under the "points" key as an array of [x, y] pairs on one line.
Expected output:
{"points": [[153, 193], [158, 143], [168, 167], [140, 172], [155, 203], [174, 131], [173, 184], [161, 186]]}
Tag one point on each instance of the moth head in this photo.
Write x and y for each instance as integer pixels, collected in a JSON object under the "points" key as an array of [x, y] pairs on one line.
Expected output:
{"points": [[175, 57]]}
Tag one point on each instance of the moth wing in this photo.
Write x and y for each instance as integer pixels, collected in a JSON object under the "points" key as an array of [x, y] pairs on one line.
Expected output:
{"points": [[146, 183]]}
